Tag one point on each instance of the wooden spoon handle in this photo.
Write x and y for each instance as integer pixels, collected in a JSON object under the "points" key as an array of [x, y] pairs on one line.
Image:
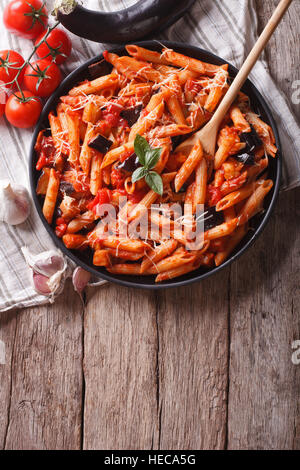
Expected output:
{"points": [[250, 61]]}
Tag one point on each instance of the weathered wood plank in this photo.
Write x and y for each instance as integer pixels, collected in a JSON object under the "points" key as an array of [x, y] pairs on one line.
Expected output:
{"points": [[7, 338], [155, 365], [263, 410], [265, 298], [120, 360], [193, 355], [46, 381], [283, 51]]}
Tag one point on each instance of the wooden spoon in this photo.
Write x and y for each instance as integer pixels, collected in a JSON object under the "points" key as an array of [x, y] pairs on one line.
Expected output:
{"points": [[208, 134]]}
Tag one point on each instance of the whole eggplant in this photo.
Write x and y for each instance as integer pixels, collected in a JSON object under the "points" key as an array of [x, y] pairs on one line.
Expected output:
{"points": [[135, 22]]}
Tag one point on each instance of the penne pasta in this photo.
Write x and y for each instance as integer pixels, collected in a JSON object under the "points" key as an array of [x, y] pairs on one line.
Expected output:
{"points": [[43, 182], [194, 65], [51, 196], [199, 195], [143, 125], [236, 196], [131, 199], [73, 121], [238, 119], [254, 203], [132, 269], [174, 261], [86, 151], [92, 112], [80, 222], [94, 86], [135, 246], [117, 154], [170, 130], [101, 258], [232, 242], [188, 166], [176, 110], [221, 230], [74, 241], [124, 255], [163, 250], [145, 54], [96, 173]]}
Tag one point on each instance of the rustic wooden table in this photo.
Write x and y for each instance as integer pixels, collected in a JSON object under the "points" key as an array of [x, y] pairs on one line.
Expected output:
{"points": [[201, 367]]}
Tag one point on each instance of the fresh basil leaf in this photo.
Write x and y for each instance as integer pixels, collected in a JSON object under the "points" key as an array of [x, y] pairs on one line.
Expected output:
{"points": [[138, 174], [141, 147], [152, 157], [155, 182]]}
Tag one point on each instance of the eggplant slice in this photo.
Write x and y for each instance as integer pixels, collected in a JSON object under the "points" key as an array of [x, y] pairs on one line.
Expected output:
{"points": [[131, 115], [100, 143], [130, 164]]}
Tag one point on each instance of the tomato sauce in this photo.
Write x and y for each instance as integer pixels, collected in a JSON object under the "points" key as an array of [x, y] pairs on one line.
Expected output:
{"points": [[61, 227], [103, 196], [46, 154], [214, 195], [117, 178], [111, 116]]}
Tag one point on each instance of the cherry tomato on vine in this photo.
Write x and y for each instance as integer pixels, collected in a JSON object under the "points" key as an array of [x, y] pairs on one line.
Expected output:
{"points": [[23, 113], [3, 98], [43, 78], [8, 60], [60, 46], [26, 18]]}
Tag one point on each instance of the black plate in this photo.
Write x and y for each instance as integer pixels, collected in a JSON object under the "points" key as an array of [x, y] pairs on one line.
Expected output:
{"points": [[84, 259]]}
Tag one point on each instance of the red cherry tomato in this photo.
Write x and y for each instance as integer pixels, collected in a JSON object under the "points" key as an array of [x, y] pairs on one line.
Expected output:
{"points": [[3, 98], [23, 114], [26, 18], [59, 41], [8, 60], [2, 109], [43, 78]]}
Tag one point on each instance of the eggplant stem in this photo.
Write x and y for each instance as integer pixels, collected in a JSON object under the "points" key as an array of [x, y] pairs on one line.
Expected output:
{"points": [[65, 6]]}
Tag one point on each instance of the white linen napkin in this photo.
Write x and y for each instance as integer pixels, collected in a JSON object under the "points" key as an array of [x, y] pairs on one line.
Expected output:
{"points": [[228, 28]]}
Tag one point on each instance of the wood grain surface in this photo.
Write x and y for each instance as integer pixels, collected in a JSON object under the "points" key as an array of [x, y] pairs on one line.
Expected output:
{"points": [[203, 367]]}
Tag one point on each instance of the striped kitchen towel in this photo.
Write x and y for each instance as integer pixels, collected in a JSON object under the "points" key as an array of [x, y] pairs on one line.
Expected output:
{"points": [[226, 27]]}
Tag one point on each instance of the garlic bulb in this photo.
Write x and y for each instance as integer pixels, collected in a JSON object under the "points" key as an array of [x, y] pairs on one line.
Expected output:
{"points": [[49, 271], [14, 203]]}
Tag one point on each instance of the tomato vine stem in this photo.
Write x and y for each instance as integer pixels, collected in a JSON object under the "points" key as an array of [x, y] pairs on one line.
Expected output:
{"points": [[27, 61]]}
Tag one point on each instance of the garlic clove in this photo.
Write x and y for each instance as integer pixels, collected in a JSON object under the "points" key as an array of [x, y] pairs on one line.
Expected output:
{"points": [[49, 265], [41, 284], [46, 263], [14, 203], [50, 271], [80, 279]]}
